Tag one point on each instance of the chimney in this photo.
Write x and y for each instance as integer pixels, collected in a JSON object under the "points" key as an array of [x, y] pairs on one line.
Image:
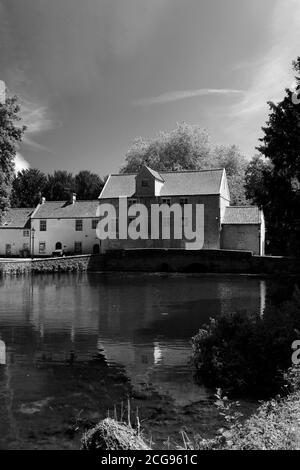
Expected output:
{"points": [[2, 92], [43, 200], [73, 198]]}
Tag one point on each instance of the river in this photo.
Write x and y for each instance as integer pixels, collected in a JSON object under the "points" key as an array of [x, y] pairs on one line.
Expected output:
{"points": [[78, 345]]}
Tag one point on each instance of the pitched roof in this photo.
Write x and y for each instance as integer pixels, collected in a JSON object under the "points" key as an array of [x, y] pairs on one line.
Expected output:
{"points": [[238, 215], [178, 183], [16, 218], [65, 209], [155, 174]]}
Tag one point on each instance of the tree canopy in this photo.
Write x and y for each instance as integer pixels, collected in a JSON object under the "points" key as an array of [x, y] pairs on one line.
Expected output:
{"points": [[274, 182], [188, 147], [10, 136]]}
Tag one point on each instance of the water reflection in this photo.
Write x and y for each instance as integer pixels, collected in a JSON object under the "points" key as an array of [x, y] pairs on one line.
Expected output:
{"points": [[68, 336]]}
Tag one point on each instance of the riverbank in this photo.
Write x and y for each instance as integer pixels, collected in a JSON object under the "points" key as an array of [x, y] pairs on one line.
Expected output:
{"points": [[275, 426], [170, 261]]}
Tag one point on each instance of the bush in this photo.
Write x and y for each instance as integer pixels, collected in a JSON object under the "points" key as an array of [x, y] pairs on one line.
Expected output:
{"points": [[248, 354]]}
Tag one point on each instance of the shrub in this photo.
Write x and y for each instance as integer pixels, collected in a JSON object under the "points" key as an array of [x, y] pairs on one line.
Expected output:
{"points": [[248, 354]]}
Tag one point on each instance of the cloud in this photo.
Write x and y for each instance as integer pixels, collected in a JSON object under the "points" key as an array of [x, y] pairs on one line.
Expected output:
{"points": [[271, 75], [20, 163], [37, 119], [184, 94]]}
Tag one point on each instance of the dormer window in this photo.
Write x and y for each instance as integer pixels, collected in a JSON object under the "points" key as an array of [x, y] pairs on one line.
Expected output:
{"points": [[145, 183]]}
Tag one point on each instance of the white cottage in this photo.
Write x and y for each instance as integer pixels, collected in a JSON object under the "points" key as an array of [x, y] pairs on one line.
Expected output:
{"points": [[65, 225], [15, 237]]}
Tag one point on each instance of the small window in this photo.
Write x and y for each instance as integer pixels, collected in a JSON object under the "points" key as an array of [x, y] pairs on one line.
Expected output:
{"points": [[42, 248], [184, 201], [43, 225], [78, 225], [26, 246], [167, 201], [145, 184], [78, 248], [94, 224], [131, 202], [26, 233]]}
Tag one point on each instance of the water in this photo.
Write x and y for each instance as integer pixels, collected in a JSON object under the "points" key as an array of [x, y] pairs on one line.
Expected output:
{"points": [[76, 345]]}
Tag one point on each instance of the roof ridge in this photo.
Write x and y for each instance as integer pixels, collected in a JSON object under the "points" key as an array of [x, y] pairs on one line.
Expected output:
{"points": [[175, 172]]}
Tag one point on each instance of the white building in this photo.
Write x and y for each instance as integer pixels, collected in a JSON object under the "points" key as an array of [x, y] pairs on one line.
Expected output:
{"points": [[15, 237], [60, 225], [65, 225]]}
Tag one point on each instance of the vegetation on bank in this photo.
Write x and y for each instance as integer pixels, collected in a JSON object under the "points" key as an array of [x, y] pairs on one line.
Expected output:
{"points": [[248, 354]]}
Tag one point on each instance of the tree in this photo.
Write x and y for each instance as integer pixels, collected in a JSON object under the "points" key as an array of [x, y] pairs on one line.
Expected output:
{"points": [[28, 187], [188, 147], [88, 185], [10, 136], [59, 186], [235, 165], [276, 187]]}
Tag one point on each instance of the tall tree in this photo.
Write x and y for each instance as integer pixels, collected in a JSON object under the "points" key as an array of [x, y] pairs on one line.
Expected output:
{"points": [[187, 147], [10, 136], [59, 186], [273, 182], [28, 187], [88, 185]]}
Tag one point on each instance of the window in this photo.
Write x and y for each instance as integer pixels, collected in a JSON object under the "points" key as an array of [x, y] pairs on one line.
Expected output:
{"points": [[43, 225], [42, 248], [94, 224], [26, 233], [145, 183], [78, 225], [167, 201], [131, 202], [78, 248], [26, 246], [184, 201]]}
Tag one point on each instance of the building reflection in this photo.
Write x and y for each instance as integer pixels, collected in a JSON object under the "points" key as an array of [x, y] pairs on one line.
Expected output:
{"points": [[138, 325]]}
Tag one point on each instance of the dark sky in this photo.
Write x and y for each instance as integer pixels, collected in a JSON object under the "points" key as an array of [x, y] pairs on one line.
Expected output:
{"points": [[95, 74]]}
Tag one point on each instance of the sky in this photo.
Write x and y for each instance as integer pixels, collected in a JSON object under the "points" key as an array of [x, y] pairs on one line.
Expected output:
{"points": [[93, 75]]}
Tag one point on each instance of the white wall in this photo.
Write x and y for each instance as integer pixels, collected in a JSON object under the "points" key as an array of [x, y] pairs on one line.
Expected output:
{"points": [[13, 237], [63, 231]]}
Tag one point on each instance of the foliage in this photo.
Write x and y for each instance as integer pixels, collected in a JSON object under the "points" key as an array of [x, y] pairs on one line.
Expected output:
{"points": [[188, 147], [88, 185], [10, 136], [59, 186], [109, 434], [248, 354], [28, 187], [274, 183]]}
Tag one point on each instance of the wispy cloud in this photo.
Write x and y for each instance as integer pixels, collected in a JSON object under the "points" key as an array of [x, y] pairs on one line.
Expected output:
{"points": [[184, 94], [37, 119]]}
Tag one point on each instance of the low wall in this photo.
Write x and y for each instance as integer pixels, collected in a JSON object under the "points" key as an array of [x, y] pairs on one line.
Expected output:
{"points": [[47, 265], [203, 261]]}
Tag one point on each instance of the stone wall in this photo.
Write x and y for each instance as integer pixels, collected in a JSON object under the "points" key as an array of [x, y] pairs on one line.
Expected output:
{"points": [[46, 265], [203, 261]]}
